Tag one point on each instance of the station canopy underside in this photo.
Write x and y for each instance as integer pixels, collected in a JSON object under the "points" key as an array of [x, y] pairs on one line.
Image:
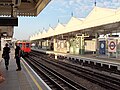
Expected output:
{"points": [[92, 31], [102, 29], [16, 8], [6, 31], [22, 7]]}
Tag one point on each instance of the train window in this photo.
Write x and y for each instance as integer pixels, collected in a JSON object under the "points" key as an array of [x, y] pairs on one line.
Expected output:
{"points": [[20, 45], [27, 45]]}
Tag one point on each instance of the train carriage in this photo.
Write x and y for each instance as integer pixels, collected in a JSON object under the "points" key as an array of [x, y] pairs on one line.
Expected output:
{"points": [[25, 47]]}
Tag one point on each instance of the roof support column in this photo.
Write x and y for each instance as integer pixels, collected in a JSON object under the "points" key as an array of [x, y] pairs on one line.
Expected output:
{"points": [[2, 44], [97, 44], [82, 47], [55, 44], [12, 13]]}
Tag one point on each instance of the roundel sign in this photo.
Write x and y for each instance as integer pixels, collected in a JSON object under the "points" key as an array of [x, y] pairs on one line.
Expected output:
{"points": [[112, 45]]}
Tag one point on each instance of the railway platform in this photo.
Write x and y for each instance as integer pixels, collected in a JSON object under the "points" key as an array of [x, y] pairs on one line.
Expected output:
{"points": [[26, 79], [88, 58]]}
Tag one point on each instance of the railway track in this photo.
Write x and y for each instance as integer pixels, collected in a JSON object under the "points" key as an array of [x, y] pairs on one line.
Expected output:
{"points": [[108, 82], [54, 79]]}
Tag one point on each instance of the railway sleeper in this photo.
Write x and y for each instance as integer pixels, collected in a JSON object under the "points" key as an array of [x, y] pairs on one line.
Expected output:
{"points": [[49, 83], [53, 87]]}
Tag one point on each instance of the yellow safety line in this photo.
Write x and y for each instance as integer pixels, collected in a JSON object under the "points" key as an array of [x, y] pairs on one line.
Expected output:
{"points": [[36, 83]]}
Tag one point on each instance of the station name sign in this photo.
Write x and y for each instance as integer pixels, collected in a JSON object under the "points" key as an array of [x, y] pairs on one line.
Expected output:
{"points": [[8, 21], [112, 45]]}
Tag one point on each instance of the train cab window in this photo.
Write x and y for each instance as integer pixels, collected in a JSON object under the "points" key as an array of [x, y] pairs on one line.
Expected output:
{"points": [[20, 45], [27, 45]]}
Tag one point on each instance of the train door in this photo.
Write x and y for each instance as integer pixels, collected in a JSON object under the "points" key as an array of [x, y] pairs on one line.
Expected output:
{"points": [[28, 47]]}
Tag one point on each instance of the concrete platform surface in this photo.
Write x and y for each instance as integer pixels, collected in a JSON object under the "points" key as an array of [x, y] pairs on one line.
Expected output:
{"points": [[26, 79]]}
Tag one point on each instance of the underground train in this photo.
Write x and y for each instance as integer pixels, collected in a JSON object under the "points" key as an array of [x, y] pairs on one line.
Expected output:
{"points": [[25, 47]]}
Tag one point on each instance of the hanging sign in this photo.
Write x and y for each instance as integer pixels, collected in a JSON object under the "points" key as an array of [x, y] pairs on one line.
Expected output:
{"points": [[112, 44]]}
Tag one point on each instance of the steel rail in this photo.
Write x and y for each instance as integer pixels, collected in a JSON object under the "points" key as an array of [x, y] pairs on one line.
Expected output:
{"points": [[57, 77], [102, 79]]}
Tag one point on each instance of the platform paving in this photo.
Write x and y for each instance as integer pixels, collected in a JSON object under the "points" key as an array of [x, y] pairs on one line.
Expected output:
{"points": [[15, 80], [26, 79]]}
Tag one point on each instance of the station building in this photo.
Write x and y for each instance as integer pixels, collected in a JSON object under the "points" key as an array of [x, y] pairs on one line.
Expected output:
{"points": [[82, 35]]}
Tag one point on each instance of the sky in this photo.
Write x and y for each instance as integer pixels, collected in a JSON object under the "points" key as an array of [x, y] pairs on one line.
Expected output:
{"points": [[58, 10]]}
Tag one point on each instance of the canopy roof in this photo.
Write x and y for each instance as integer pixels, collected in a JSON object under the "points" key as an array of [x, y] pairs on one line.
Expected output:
{"points": [[100, 20], [22, 7]]}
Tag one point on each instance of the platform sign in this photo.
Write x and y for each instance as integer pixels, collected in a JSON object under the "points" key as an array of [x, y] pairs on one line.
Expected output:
{"points": [[112, 44], [102, 47], [8, 21]]}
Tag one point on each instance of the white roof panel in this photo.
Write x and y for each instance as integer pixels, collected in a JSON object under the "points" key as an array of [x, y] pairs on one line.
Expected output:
{"points": [[97, 17]]}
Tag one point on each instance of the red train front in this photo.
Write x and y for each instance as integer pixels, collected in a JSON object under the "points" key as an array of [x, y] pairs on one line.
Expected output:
{"points": [[25, 47]]}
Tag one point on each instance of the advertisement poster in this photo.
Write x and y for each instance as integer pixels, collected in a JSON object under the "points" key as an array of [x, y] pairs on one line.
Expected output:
{"points": [[102, 47]]}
